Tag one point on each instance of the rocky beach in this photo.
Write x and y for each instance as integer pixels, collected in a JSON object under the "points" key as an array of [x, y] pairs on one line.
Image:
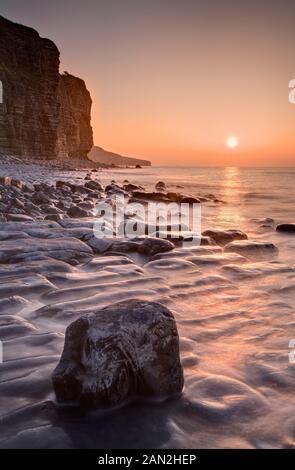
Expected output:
{"points": [[232, 299], [180, 336]]}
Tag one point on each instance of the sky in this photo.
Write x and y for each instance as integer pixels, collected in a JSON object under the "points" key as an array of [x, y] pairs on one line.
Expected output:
{"points": [[172, 80]]}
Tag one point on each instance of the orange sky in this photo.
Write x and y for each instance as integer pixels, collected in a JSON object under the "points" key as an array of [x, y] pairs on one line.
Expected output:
{"points": [[171, 80]]}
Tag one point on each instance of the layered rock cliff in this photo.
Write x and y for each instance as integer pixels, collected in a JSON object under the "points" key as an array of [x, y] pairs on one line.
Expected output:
{"points": [[43, 114], [74, 136]]}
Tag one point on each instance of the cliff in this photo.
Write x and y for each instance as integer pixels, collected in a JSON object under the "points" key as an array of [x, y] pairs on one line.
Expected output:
{"points": [[43, 114], [74, 136], [98, 154]]}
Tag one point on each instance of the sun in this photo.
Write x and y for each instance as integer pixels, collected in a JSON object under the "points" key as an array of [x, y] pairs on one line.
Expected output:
{"points": [[232, 141]]}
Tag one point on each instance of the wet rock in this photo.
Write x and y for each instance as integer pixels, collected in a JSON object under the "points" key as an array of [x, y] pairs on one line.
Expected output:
{"points": [[264, 221], [18, 203], [23, 226], [190, 200], [173, 197], [86, 205], [152, 246], [95, 185], [28, 187], [207, 241], [99, 245], [41, 198], [160, 186], [125, 246], [114, 188], [12, 326], [42, 266], [76, 223], [131, 187], [52, 210], [75, 211], [63, 184], [19, 218], [286, 228], [11, 305], [18, 184], [256, 269], [5, 180], [30, 286], [65, 249], [150, 196], [252, 249], [55, 217], [5, 235], [217, 260], [118, 353], [223, 237]]}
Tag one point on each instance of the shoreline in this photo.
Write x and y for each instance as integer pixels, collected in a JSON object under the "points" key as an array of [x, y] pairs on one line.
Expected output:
{"points": [[231, 307]]}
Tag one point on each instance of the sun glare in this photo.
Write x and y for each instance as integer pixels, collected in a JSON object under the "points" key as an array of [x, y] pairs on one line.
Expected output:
{"points": [[232, 141]]}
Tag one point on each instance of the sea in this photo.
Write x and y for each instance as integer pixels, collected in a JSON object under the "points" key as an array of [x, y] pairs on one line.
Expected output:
{"points": [[235, 317]]}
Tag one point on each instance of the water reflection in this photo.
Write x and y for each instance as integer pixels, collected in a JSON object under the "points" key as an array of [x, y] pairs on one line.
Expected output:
{"points": [[230, 192]]}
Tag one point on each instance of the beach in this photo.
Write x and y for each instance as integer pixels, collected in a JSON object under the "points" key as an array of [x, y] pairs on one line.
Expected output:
{"points": [[233, 305]]}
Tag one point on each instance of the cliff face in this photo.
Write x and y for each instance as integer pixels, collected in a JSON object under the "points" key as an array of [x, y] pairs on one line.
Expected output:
{"points": [[74, 137], [43, 114]]}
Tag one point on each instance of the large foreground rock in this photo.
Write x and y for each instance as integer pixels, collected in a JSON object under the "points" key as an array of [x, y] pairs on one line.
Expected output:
{"points": [[118, 353]]}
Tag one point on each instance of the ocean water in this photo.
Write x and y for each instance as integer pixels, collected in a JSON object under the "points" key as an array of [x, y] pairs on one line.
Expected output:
{"points": [[235, 317]]}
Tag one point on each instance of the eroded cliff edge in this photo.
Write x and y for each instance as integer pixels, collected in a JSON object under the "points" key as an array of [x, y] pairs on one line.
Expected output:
{"points": [[42, 114]]}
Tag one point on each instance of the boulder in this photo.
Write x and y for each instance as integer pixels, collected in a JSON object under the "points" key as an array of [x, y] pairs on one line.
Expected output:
{"points": [[151, 246], [131, 187], [75, 211], [19, 218], [86, 205], [252, 249], [95, 185], [160, 186], [55, 217], [113, 188], [41, 198], [223, 237], [119, 353], [286, 228]]}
